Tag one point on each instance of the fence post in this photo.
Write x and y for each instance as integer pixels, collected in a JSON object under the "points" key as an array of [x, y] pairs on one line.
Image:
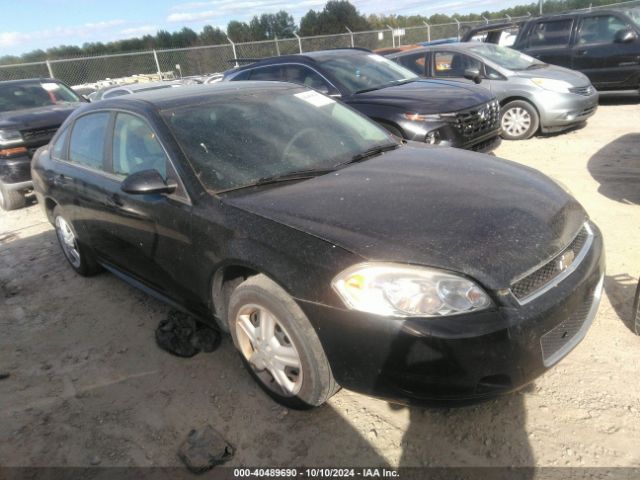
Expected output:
{"points": [[458, 24], [277, 46], [428, 31], [393, 37], [155, 57], [235, 55], [50, 69], [486, 20], [299, 42], [508, 17], [540, 4], [351, 35]]}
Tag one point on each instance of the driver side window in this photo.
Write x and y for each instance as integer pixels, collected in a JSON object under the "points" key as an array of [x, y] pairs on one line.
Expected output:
{"points": [[136, 147]]}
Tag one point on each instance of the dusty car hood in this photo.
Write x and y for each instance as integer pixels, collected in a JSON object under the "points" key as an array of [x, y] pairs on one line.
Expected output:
{"points": [[554, 72], [425, 96], [448, 208], [27, 119]]}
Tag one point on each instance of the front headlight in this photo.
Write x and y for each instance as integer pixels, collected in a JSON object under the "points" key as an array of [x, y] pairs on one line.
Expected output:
{"points": [[10, 137], [408, 291], [559, 86], [430, 117]]}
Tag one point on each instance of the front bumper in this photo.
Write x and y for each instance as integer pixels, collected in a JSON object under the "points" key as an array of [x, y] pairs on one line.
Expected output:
{"points": [[15, 172], [560, 111], [458, 359]]}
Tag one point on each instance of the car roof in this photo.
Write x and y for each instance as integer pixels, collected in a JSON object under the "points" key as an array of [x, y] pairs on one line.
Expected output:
{"points": [[29, 80], [307, 57], [166, 98]]}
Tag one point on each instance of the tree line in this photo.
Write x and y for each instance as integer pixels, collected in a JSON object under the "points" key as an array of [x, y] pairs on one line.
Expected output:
{"points": [[335, 17]]}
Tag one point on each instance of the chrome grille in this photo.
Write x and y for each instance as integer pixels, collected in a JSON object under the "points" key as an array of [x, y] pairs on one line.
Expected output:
{"points": [[478, 120], [585, 91], [538, 279], [39, 134], [556, 338]]}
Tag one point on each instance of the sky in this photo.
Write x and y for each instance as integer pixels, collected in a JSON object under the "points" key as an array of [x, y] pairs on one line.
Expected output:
{"points": [[32, 24]]}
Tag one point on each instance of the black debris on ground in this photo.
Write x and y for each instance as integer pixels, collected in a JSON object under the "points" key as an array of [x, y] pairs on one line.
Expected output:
{"points": [[203, 449], [180, 334], [4, 375]]}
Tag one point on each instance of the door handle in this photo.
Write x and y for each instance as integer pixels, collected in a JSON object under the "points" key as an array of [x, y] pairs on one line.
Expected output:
{"points": [[114, 201], [581, 52], [60, 180]]}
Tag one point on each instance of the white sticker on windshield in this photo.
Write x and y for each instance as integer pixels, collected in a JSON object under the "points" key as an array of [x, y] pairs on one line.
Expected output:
{"points": [[314, 98], [375, 57], [50, 87]]}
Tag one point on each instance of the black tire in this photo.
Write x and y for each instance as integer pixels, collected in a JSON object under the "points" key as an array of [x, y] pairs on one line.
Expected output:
{"points": [[316, 384], [85, 263], [11, 199], [636, 310], [529, 115]]}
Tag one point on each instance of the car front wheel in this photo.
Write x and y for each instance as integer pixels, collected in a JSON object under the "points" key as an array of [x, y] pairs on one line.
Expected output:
{"points": [[278, 345], [519, 120], [79, 257]]}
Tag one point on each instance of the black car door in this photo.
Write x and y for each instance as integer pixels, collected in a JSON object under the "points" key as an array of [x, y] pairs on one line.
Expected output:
{"points": [[145, 236], [600, 55], [549, 41]]}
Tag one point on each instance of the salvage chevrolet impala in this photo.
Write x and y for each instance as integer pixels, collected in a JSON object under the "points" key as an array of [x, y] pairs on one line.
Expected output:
{"points": [[334, 254]]}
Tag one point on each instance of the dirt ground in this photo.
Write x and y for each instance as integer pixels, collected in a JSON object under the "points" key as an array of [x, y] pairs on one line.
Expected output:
{"points": [[88, 386]]}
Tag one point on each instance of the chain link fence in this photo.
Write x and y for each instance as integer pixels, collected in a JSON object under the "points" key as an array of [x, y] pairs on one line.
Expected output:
{"points": [[206, 60]]}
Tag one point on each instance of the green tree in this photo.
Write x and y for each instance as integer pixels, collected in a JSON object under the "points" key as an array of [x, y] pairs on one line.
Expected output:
{"points": [[334, 17]]}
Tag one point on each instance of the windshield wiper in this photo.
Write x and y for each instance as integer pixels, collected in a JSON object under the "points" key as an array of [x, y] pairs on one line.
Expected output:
{"points": [[372, 152], [282, 177], [390, 84]]}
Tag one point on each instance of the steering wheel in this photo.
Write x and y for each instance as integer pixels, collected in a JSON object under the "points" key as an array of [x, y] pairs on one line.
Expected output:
{"points": [[294, 139]]}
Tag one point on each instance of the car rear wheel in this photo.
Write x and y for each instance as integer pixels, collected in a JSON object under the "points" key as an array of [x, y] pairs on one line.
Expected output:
{"points": [[519, 120], [79, 256], [10, 199], [278, 345]]}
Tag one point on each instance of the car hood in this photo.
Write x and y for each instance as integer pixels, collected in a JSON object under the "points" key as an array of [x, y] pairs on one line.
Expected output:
{"points": [[49, 116], [441, 207], [554, 72], [426, 96]]}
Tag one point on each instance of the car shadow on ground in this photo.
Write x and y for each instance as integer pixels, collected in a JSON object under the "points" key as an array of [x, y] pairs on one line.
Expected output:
{"points": [[617, 99], [616, 167], [89, 386], [621, 290]]}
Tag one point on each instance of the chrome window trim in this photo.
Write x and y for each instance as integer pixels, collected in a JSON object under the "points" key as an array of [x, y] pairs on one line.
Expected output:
{"points": [[567, 347], [562, 275]]}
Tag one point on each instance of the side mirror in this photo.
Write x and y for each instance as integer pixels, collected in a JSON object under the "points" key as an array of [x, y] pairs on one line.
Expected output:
{"points": [[473, 74], [146, 182], [625, 36]]}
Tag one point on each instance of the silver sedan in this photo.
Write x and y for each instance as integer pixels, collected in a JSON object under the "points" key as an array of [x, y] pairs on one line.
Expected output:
{"points": [[534, 96]]}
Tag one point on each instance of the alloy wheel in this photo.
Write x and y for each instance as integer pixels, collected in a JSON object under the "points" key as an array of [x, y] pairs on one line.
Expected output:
{"points": [[516, 121], [266, 345], [68, 241]]}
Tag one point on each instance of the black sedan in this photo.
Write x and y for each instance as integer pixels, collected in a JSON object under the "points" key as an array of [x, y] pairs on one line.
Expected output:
{"points": [[436, 112], [333, 253]]}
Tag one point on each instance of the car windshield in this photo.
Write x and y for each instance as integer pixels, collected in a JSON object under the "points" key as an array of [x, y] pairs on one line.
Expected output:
{"points": [[20, 96], [634, 14], [238, 140], [506, 57], [358, 73]]}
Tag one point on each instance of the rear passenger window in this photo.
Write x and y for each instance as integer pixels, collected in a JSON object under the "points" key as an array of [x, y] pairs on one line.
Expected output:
{"points": [[600, 29], [450, 64], [273, 73], [304, 76], [414, 62], [551, 34], [86, 146]]}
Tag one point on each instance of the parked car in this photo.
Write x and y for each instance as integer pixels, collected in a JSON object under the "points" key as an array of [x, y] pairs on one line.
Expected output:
{"points": [[533, 95], [30, 113], [333, 253], [433, 112], [119, 90], [602, 44]]}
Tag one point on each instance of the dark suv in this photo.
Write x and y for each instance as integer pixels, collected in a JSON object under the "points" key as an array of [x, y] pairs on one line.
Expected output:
{"points": [[30, 113], [435, 112], [602, 44]]}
